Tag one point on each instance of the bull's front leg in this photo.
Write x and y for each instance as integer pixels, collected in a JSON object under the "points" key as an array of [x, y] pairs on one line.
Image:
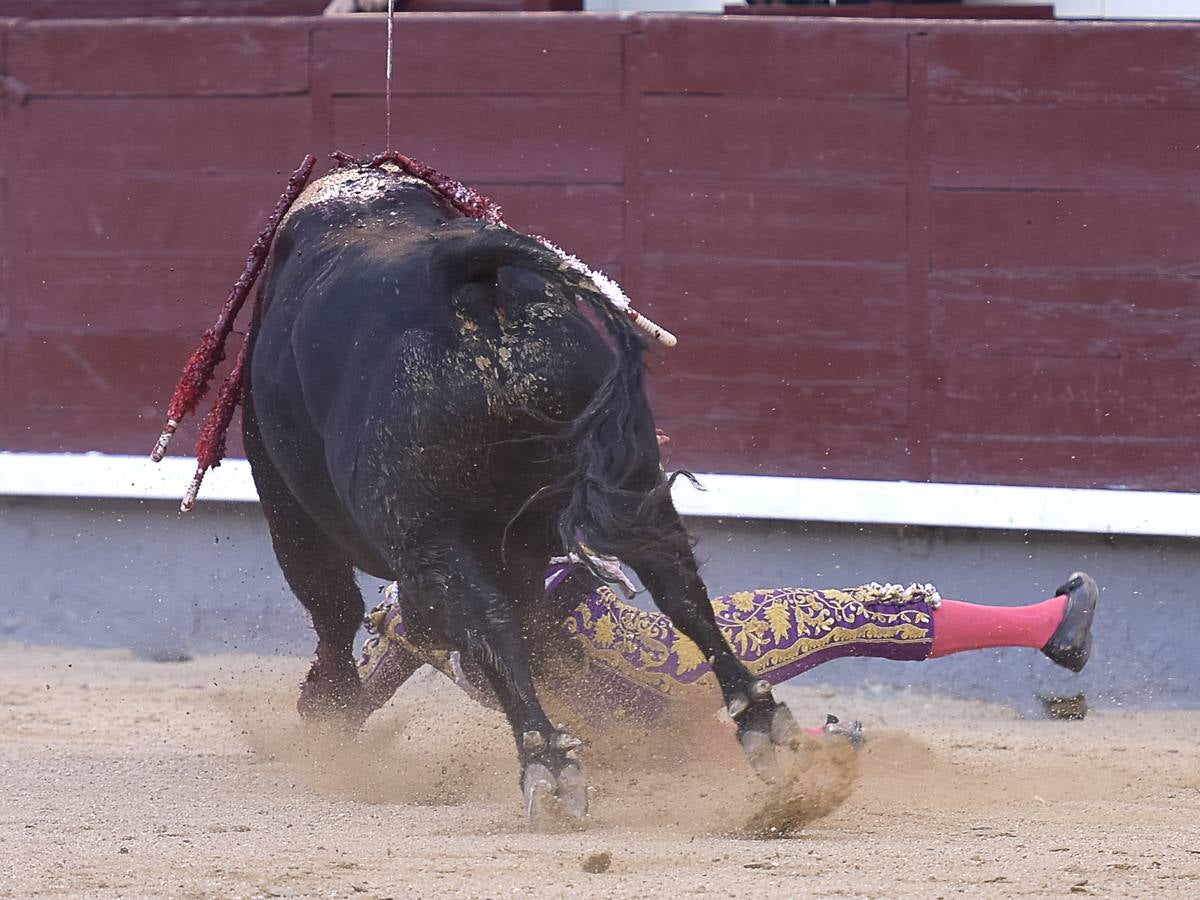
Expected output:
{"points": [[674, 581]]}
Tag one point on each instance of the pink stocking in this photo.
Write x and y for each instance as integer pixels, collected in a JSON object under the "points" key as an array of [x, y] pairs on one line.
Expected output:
{"points": [[959, 626]]}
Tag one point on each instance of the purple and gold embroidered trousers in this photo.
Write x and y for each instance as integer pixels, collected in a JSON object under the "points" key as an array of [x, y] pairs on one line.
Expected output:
{"points": [[636, 661]]}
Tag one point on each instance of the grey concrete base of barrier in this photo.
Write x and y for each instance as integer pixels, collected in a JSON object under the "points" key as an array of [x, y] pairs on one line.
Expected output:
{"points": [[138, 574]]}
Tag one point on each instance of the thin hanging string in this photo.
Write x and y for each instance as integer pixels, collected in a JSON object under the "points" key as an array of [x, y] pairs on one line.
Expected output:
{"points": [[387, 90]]}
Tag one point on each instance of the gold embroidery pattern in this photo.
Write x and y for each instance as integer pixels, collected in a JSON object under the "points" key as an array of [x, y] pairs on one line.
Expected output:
{"points": [[776, 631]]}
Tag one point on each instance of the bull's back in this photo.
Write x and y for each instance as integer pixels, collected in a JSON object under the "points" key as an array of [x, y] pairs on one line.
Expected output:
{"points": [[377, 394]]}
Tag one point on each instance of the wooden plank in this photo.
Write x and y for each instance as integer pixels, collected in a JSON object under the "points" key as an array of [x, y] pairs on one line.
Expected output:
{"points": [[181, 294], [492, 6], [175, 135], [1035, 146], [7, 165], [741, 300], [760, 389], [130, 214], [1080, 64], [785, 446], [492, 138], [161, 57], [784, 358], [107, 392], [118, 429], [135, 371], [635, 180], [469, 54], [783, 138], [900, 11], [996, 11], [12, 382], [132, 9], [1024, 396], [111, 295], [320, 96], [1096, 232], [765, 220], [1133, 463], [1101, 315], [12, 398], [585, 220], [776, 58], [919, 242], [873, 10], [10, 97], [1063, 396]]}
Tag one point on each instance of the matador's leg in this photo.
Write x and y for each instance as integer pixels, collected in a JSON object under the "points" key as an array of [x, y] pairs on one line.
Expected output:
{"points": [[779, 633], [388, 658], [635, 663]]}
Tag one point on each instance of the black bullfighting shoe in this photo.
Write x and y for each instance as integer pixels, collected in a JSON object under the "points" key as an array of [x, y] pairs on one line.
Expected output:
{"points": [[1071, 644]]}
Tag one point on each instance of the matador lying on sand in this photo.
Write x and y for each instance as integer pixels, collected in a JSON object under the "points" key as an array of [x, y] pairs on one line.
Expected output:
{"points": [[622, 663]]}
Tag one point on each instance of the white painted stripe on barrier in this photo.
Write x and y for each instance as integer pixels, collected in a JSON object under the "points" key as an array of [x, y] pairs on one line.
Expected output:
{"points": [[733, 496], [949, 505], [111, 475]]}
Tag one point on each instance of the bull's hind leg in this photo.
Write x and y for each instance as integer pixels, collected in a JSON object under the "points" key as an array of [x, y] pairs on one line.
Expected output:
{"points": [[669, 571], [322, 578], [475, 615]]}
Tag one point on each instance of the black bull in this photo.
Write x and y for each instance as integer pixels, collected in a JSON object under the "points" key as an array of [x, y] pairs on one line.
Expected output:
{"points": [[427, 402]]}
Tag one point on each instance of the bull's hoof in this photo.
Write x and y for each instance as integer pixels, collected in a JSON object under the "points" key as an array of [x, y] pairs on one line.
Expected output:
{"points": [[344, 716], [553, 784], [555, 802], [341, 701], [764, 726]]}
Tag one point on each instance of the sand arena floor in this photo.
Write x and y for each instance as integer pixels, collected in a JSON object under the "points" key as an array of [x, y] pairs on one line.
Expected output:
{"points": [[123, 778]]}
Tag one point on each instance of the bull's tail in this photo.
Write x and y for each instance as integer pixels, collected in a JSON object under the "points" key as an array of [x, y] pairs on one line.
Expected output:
{"points": [[619, 501], [614, 497]]}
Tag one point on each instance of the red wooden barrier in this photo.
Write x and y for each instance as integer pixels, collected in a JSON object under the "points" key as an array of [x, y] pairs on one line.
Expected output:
{"points": [[957, 251], [899, 11], [133, 9]]}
